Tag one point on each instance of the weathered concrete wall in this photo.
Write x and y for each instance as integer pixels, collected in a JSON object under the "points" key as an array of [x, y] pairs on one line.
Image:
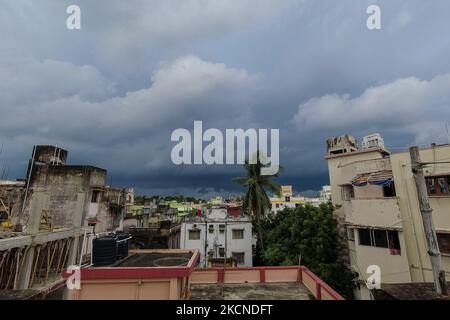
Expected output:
{"points": [[369, 192], [110, 210], [50, 154], [69, 188]]}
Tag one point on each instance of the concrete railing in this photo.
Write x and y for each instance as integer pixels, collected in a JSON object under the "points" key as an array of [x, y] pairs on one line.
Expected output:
{"points": [[318, 288]]}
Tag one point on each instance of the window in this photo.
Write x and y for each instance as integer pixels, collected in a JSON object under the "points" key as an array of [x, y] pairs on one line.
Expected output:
{"points": [[394, 242], [389, 190], [348, 192], [277, 205], [222, 228], [288, 199], [431, 186], [444, 242], [194, 234], [380, 238], [350, 234], [297, 205], [95, 196], [438, 186], [442, 185], [222, 252], [211, 228], [364, 237], [239, 257], [238, 234]]}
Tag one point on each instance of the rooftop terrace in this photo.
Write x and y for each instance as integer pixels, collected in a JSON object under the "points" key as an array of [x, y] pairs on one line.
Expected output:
{"points": [[155, 259], [270, 283], [251, 291], [172, 274]]}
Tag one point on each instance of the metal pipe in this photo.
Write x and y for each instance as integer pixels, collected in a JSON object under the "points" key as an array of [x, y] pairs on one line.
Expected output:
{"points": [[119, 241], [82, 247], [28, 181], [54, 155]]}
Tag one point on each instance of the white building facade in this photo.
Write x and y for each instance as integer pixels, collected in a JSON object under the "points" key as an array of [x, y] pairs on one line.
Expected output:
{"points": [[325, 194], [219, 236]]}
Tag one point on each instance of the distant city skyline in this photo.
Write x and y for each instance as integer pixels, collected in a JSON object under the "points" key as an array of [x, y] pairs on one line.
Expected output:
{"points": [[112, 92]]}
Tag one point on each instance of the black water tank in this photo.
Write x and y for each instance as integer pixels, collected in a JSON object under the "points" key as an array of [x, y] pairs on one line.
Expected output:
{"points": [[104, 250], [122, 244]]}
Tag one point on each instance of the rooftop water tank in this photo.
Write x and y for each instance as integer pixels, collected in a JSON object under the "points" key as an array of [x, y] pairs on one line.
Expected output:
{"points": [[104, 250], [123, 244]]}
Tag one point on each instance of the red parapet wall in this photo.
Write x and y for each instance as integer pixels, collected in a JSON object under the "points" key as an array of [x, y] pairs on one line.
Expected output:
{"points": [[163, 283], [319, 289], [98, 273]]}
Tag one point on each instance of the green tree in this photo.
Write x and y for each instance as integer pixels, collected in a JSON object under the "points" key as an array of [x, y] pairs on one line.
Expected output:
{"points": [[312, 233], [140, 200], [256, 202]]}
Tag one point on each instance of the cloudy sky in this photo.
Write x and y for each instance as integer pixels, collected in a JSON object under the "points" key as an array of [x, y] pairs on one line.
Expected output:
{"points": [[112, 92]]}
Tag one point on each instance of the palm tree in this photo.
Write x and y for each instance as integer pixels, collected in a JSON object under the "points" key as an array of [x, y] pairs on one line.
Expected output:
{"points": [[256, 200]]}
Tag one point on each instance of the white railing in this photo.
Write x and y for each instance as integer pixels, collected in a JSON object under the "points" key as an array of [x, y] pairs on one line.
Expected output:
{"points": [[86, 246]]}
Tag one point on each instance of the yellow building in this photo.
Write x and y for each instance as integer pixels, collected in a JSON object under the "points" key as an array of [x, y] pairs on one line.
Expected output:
{"points": [[377, 207], [286, 200]]}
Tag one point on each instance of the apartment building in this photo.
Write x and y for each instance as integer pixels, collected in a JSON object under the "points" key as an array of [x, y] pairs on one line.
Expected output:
{"points": [[219, 236], [377, 208], [325, 194], [287, 199]]}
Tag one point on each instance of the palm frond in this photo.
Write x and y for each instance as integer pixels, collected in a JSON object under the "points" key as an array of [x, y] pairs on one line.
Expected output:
{"points": [[240, 180]]}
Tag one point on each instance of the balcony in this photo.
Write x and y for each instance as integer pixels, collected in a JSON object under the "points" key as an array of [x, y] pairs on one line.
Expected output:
{"points": [[381, 212]]}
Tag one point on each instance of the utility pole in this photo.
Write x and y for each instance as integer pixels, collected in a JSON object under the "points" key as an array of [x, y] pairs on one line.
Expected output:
{"points": [[427, 219]]}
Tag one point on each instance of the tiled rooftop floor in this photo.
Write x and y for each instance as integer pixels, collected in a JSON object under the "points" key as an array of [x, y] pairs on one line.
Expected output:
{"points": [[155, 259], [251, 291]]}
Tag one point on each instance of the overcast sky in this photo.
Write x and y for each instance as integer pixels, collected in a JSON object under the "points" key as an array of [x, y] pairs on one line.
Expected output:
{"points": [[112, 92]]}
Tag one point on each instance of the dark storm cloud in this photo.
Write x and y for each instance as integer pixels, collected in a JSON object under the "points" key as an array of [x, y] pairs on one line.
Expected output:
{"points": [[113, 91]]}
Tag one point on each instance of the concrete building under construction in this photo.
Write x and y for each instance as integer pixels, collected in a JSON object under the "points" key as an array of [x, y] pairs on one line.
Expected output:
{"points": [[46, 217]]}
